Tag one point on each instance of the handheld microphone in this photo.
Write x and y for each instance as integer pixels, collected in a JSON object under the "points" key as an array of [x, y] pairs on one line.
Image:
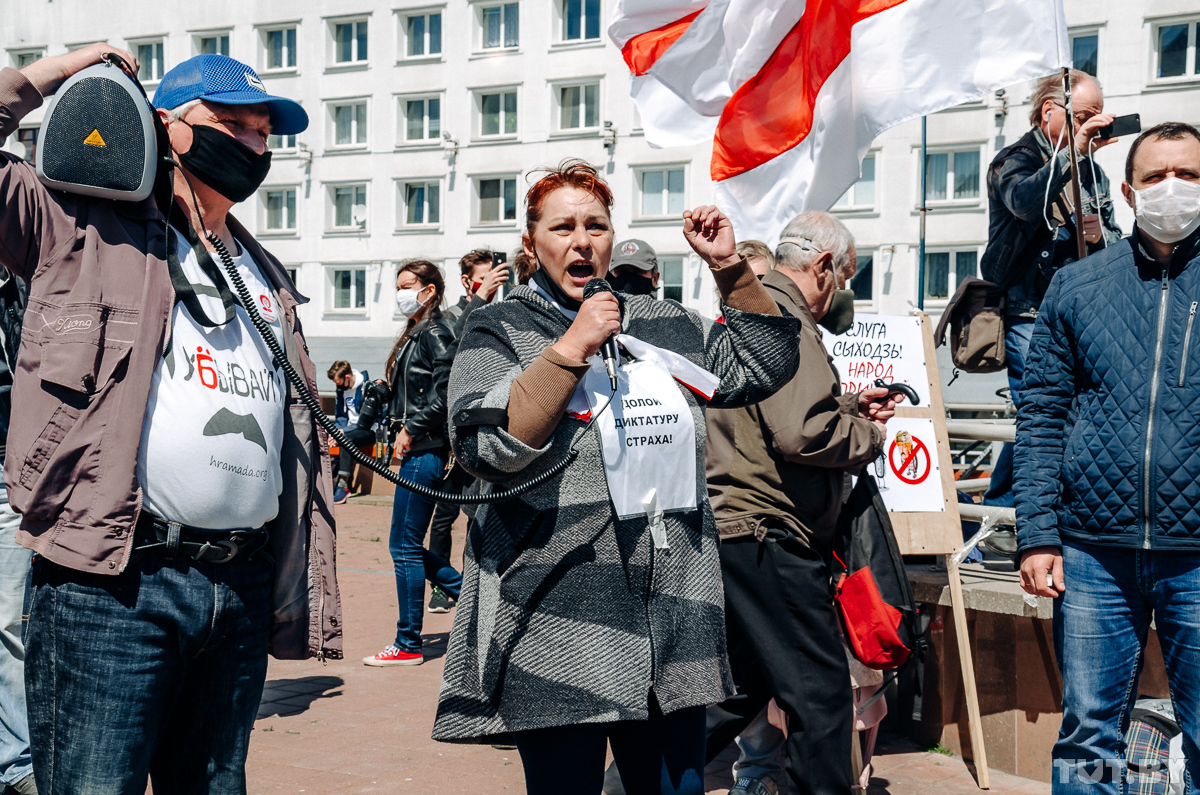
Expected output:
{"points": [[608, 351]]}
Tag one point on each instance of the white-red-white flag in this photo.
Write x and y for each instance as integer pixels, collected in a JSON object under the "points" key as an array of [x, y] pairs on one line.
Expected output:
{"points": [[793, 92]]}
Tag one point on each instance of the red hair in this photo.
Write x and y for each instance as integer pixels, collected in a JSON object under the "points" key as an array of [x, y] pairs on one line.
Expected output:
{"points": [[570, 173]]}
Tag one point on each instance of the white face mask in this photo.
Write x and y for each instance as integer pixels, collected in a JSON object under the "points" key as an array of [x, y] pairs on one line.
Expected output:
{"points": [[407, 301], [1168, 211]]}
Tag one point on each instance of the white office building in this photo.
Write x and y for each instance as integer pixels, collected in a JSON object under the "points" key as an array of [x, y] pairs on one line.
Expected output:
{"points": [[428, 118]]}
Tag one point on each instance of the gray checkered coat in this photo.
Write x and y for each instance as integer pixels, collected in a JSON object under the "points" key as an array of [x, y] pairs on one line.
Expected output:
{"points": [[568, 615]]}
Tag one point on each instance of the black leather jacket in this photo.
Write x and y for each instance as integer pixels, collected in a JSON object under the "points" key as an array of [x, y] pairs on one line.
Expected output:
{"points": [[419, 381]]}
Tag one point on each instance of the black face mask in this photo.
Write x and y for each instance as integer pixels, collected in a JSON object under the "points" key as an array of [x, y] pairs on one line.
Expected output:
{"points": [[225, 164], [544, 281], [840, 316], [631, 283]]}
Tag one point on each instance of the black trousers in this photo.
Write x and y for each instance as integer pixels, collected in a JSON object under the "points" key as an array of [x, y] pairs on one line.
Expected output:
{"points": [[785, 643], [361, 437], [445, 514]]}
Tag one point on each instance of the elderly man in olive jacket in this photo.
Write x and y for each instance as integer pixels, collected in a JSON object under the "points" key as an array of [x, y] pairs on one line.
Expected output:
{"points": [[175, 491], [775, 477]]}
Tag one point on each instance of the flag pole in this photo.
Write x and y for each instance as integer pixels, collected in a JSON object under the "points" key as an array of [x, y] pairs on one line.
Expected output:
{"points": [[1080, 245], [924, 210]]}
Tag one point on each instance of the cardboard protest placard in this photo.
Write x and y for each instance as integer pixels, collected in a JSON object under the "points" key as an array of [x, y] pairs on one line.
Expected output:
{"points": [[881, 346], [908, 471]]}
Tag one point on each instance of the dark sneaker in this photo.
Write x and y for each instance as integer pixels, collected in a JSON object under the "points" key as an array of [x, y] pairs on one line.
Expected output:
{"points": [[340, 495], [25, 786], [1003, 543], [440, 601], [753, 786]]}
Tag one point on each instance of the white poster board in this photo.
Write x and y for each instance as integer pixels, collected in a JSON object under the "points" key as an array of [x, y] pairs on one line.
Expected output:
{"points": [[908, 472], [881, 346]]}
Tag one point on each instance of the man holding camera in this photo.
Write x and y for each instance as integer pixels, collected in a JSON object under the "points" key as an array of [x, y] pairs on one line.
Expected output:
{"points": [[356, 410], [1031, 228], [175, 492]]}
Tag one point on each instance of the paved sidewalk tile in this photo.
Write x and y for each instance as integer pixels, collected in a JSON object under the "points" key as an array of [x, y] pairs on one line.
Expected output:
{"points": [[348, 728]]}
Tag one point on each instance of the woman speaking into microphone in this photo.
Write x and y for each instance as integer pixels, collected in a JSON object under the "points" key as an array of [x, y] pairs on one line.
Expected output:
{"points": [[591, 610]]}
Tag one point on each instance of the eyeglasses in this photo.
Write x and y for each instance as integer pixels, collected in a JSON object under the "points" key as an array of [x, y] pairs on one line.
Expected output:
{"points": [[1081, 117], [802, 242]]}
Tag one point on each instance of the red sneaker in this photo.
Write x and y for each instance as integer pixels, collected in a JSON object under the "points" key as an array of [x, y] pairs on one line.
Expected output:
{"points": [[394, 656]]}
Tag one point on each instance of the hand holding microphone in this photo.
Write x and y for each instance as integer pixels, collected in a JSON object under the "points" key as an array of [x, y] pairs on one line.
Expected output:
{"points": [[593, 328]]}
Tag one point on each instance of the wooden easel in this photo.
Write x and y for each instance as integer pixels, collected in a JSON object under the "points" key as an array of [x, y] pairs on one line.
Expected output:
{"points": [[941, 534]]}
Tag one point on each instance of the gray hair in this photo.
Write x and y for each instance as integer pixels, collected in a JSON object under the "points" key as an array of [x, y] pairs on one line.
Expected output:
{"points": [[1051, 87], [175, 114], [825, 232]]}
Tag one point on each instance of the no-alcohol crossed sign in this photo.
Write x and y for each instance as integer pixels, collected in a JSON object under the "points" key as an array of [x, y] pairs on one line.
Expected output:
{"points": [[909, 458]]}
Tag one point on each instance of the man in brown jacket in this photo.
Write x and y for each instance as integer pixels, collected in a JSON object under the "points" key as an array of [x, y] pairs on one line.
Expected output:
{"points": [[776, 472], [176, 493]]}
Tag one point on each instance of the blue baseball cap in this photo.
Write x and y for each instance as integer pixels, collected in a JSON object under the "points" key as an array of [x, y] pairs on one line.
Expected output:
{"points": [[225, 81]]}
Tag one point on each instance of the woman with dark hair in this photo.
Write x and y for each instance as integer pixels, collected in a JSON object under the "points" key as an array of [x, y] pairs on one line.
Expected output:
{"points": [[418, 369], [591, 611]]}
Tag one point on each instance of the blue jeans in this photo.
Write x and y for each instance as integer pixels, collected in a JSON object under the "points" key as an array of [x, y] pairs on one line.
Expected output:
{"points": [[14, 573], [1100, 626], [414, 564], [155, 672], [1018, 333], [660, 756]]}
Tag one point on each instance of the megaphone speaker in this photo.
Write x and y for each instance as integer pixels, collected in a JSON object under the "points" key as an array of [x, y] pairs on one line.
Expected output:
{"points": [[97, 137]]}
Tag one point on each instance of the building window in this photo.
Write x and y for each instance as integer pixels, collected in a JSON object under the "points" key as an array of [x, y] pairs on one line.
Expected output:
{"points": [[423, 34], [499, 26], [293, 274], [952, 176], [150, 60], [662, 192], [349, 288], [862, 194], [497, 200], [421, 203], [281, 143], [350, 42], [349, 206], [580, 20], [579, 106], [213, 44], [279, 48], [1085, 52], [670, 278], [23, 58], [863, 282], [420, 118], [279, 205], [27, 137], [498, 113], [945, 269], [350, 124], [1176, 45]]}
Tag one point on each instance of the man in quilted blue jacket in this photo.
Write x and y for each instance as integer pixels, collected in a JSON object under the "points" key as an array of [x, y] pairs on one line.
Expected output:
{"points": [[1108, 466]]}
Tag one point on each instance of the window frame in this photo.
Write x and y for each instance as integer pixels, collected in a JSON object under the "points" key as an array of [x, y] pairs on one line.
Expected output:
{"points": [[560, 40], [875, 252], [402, 17], [198, 37], [1191, 62], [401, 105], [331, 227], [16, 53], [477, 95], [331, 106], [660, 292], [477, 21], [263, 229], [402, 183], [666, 218], [1082, 32], [951, 150], [263, 33], [283, 150], [953, 276], [477, 200], [331, 26], [133, 45], [331, 270], [556, 89], [852, 208]]}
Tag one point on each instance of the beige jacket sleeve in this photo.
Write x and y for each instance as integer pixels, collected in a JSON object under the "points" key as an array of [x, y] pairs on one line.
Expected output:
{"points": [[809, 425], [539, 396]]}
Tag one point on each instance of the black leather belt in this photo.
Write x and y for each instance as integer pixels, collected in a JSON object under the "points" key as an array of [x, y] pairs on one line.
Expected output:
{"points": [[197, 543]]}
